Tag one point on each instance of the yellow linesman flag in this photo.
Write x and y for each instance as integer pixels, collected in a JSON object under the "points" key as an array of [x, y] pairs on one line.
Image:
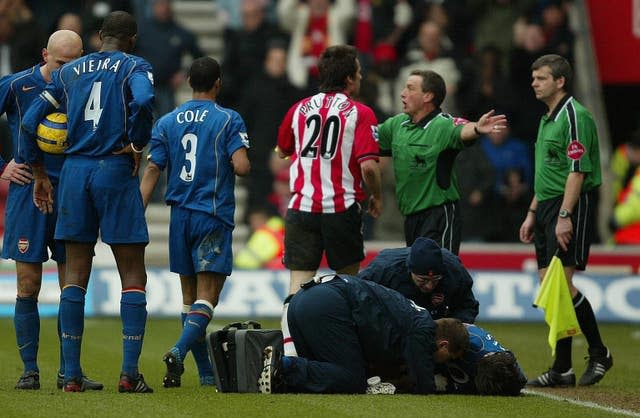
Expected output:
{"points": [[555, 298]]}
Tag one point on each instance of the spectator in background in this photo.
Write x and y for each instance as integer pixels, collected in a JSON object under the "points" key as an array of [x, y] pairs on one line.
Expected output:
{"points": [[625, 220], [625, 160], [555, 26], [245, 50], [430, 55], [314, 25], [267, 97], [380, 22], [70, 21], [529, 44], [487, 87], [456, 20], [265, 246], [494, 20], [382, 75], [21, 39], [475, 176], [231, 12], [511, 191], [163, 42]]}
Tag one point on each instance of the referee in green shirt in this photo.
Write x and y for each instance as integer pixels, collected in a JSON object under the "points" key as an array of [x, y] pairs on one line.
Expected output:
{"points": [[562, 212], [423, 143]]}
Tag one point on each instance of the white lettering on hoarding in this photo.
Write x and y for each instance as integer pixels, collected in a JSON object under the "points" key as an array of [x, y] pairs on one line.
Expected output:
{"points": [[503, 288], [617, 297]]}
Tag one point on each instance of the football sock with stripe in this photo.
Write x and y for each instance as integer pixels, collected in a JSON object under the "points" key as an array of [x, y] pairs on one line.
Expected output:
{"points": [[27, 324], [289, 347], [133, 312], [195, 326], [199, 349], [72, 328], [588, 324], [61, 368]]}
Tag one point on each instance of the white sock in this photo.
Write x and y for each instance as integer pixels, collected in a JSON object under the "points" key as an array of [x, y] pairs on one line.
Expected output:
{"points": [[289, 347]]}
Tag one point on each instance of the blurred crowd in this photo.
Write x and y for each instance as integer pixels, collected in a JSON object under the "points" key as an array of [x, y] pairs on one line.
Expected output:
{"points": [[482, 48]]}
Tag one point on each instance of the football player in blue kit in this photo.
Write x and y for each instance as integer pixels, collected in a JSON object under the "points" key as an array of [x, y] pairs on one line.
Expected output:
{"points": [[486, 368], [109, 96], [29, 234], [203, 146]]}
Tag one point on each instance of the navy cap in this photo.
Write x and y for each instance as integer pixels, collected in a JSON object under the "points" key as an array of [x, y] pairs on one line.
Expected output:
{"points": [[425, 258]]}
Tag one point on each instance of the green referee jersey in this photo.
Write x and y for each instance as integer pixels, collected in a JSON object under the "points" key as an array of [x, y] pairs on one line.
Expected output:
{"points": [[423, 156], [567, 142]]}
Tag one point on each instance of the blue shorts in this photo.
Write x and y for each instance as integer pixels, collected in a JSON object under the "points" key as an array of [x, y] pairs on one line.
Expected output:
{"points": [[28, 233], [100, 193], [198, 242]]}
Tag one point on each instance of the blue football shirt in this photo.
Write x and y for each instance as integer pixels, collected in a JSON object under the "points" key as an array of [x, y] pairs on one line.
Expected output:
{"points": [[17, 92], [109, 98], [195, 143], [462, 372]]}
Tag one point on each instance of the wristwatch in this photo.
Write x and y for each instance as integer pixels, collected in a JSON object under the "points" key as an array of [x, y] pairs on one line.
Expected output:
{"points": [[564, 213]]}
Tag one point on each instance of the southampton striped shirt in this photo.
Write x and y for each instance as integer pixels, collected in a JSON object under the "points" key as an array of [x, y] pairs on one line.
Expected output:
{"points": [[328, 136]]}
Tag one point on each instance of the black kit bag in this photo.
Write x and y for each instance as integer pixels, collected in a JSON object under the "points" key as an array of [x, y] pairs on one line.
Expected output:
{"points": [[236, 352]]}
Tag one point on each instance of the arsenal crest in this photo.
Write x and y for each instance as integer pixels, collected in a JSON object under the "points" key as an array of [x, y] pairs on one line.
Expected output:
{"points": [[23, 245]]}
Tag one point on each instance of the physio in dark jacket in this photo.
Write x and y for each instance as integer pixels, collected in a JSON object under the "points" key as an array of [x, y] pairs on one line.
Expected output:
{"points": [[344, 328], [432, 277]]}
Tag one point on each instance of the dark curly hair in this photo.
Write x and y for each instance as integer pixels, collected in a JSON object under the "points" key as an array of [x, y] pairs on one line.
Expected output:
{"points": [[499, 375], [336, 64]]}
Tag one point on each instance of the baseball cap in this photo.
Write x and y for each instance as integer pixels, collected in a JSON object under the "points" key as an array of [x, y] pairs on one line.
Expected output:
{"points": [[425, 258]]}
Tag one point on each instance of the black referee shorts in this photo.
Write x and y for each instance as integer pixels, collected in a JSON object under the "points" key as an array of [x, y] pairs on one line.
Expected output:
{"points": [[441, 223], [583, 219]]}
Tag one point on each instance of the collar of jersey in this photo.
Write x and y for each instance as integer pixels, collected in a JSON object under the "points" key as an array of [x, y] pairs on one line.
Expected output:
{"points": [[559, 107], [422, 123]]}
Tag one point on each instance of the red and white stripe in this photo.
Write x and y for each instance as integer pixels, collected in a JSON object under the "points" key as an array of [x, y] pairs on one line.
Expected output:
{"points": [[328, 183]]}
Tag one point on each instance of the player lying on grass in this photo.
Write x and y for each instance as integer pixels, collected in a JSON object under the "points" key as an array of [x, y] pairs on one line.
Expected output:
{"points": [[486, 368]]}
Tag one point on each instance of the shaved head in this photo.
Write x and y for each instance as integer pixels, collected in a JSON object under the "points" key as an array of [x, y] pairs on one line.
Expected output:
{"points": [[63, 46], [65, 42]]}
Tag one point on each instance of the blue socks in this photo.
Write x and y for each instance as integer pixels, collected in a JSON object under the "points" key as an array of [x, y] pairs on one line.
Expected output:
{"points": [[61, 368], [200, 354], [133, 312], [195, 328], [71, 314], [27, 324]]}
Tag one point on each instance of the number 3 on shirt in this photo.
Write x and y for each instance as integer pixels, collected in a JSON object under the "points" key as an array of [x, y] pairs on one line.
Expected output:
{"points": [[92, 110]]}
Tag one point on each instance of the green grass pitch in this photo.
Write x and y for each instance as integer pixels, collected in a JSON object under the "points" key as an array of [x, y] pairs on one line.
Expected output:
{"points": [[101, 357]]}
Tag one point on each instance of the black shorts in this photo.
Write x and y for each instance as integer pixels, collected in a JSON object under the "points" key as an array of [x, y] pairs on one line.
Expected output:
{"points": [[307, 235], [441, 223], [583, 219]]}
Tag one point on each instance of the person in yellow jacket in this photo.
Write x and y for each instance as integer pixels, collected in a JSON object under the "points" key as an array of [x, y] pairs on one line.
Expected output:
{"points": [[265, 246], [625, 165], [625, 222]]}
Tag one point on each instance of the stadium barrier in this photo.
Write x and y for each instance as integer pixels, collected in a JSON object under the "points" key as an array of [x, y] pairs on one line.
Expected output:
{"points": [[503, 295]]}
